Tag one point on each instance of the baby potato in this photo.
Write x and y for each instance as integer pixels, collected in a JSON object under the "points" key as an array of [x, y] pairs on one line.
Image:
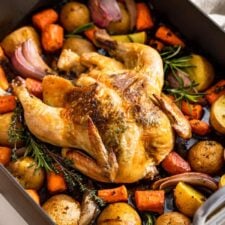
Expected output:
{"points": [[17, 37], [206, 157], [202, 72], [123, 26], [25, 170], [174, 218], [119, 214], [63, 209], [73, 15], [217, 115], [79, 45]]}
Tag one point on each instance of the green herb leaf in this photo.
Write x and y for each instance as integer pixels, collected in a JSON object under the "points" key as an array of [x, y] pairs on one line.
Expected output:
{"points": [[80, 29], [148, 219]]}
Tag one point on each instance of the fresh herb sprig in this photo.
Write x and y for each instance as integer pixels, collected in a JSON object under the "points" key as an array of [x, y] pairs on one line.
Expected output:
{"points": [[148, 219], [44, 157], [174, 61], [79, 30]]}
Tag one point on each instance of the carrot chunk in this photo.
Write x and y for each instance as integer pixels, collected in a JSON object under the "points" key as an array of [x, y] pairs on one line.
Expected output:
{"points": [[90, 33], [144, 19], [55, 182], [5, 155], [4, 84], [167, 36], [44, 18], [217, 90], [52, 37], [199, 127], [34, 87], [194, 111], [175, 164], [7, 103], [152, 201], [114, 195]]}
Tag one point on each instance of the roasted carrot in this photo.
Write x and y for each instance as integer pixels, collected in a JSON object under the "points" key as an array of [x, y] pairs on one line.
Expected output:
{"points": [[217, 90], [114, 195], [158, 45], [4, 84], [55, 182], [150, 200], [199, 127], [34, 87], [194, 111], [7, 103], [175, 164], [166, 35], [44, 18], [90, 33], [52, 37], [144, 19], [34, 195], [5, 155]]}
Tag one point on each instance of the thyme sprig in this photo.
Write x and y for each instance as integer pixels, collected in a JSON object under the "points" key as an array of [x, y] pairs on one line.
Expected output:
{"points": [[174, 61], [44, 157]]}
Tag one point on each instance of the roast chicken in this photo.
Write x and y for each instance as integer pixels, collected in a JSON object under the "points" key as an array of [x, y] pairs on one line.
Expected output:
{"points": [[113, 121]]}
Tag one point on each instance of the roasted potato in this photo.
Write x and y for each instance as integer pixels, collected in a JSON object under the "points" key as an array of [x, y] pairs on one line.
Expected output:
{"points": [[119, 214], [173, 218], [25, 170], [5, 120], [217, 115], [187, 199], [79, 45], [63, 209], [17, 37], [73, 15], [202, 72], [123, 26], [206, 157]]}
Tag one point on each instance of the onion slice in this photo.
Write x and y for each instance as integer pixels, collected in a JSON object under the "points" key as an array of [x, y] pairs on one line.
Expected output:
{"points": [[104, 11], [194, 178], [24, 67], [131, 8], [31, 54]]}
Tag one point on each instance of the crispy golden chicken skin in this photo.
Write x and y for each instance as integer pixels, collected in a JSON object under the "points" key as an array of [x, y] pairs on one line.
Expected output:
{"points": [[114, 123]]}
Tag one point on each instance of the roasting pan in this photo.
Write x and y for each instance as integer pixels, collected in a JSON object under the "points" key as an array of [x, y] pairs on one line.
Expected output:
{"points": [[191, 22]]}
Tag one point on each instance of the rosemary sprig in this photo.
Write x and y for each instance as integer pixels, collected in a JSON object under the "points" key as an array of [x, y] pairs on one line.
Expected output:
{"points": [[79, 30], [185, 93], [174, 61]]}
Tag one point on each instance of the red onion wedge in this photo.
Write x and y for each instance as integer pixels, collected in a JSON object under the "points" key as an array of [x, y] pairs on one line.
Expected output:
{"points": [[24, 67], [27, 61], [31, 54], [193, 178], [104, 11]]}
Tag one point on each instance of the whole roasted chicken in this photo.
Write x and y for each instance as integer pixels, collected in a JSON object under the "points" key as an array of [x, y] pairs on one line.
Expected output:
{"points": [[114, 123]]}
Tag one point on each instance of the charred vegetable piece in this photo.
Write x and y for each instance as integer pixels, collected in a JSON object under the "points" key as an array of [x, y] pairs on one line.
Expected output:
{"points": [[214, 92]]}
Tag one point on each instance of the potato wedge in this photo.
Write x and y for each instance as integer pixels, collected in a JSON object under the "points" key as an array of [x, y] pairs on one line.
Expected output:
{"points": [[217, 115], [187, 199], [5, 120], [202, 72], [17, 37]]}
